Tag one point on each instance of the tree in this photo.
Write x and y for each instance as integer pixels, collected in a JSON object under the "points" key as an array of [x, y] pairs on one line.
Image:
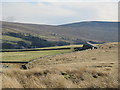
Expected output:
{"points": [[22, 43]]}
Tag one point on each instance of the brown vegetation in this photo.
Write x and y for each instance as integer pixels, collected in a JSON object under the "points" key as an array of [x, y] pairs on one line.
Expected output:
{"points": [[83, 69]]}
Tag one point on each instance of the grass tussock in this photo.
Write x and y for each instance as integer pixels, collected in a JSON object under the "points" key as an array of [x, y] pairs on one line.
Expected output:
{"points": [[58, 78], [85, 69]]}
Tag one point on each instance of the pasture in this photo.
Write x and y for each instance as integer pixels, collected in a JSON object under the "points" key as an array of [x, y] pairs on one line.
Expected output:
{"points": [[26, 55], [41, 49], [29, 55]]}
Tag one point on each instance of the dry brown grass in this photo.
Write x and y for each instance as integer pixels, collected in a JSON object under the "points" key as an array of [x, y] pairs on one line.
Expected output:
{"points": [[86, 69], [78, 77]]}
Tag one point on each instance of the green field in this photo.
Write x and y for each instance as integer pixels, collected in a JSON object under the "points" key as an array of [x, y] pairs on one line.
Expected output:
{"points": [[10, 38], [32, 49], [29, 55], [67, 46]]}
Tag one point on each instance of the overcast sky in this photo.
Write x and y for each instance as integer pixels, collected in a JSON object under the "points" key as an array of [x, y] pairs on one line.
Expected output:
{"points": [[55, 12]]}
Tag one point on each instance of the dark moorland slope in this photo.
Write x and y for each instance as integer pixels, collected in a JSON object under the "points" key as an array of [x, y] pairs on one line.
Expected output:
{"points": [[76, 33]]}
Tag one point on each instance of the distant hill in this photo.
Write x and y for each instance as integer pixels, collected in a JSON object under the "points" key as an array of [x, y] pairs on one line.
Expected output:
{"points": [[91, 24], [76, 33], [94, 30]]}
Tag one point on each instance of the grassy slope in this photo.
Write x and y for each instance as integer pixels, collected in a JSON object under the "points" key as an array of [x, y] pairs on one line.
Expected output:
{"points": [[106, 53], [99, 31], [33, 29], [10, 38], [86, 69]]}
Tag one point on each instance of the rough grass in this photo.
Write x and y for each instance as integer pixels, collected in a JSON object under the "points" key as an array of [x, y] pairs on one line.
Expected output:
{"points": [[85, 69], [59, 77]]}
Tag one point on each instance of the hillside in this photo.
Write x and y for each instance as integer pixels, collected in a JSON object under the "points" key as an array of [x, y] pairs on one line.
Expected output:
{"points": [[12, 40], [96, 68], [94, 30], [49, 35]]}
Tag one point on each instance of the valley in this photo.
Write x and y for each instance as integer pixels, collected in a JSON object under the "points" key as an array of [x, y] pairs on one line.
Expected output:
{"points": [[44, 56]]}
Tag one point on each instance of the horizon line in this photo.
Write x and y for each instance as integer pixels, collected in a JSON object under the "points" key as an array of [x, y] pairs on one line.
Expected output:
{"points": [[57, 24]]}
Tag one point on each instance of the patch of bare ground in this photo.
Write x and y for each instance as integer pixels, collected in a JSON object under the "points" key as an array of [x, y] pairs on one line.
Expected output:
{"points": [[96, 68]]}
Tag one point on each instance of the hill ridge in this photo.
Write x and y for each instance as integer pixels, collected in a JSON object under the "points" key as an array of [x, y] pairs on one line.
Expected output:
{"points": [[78, 32]]}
